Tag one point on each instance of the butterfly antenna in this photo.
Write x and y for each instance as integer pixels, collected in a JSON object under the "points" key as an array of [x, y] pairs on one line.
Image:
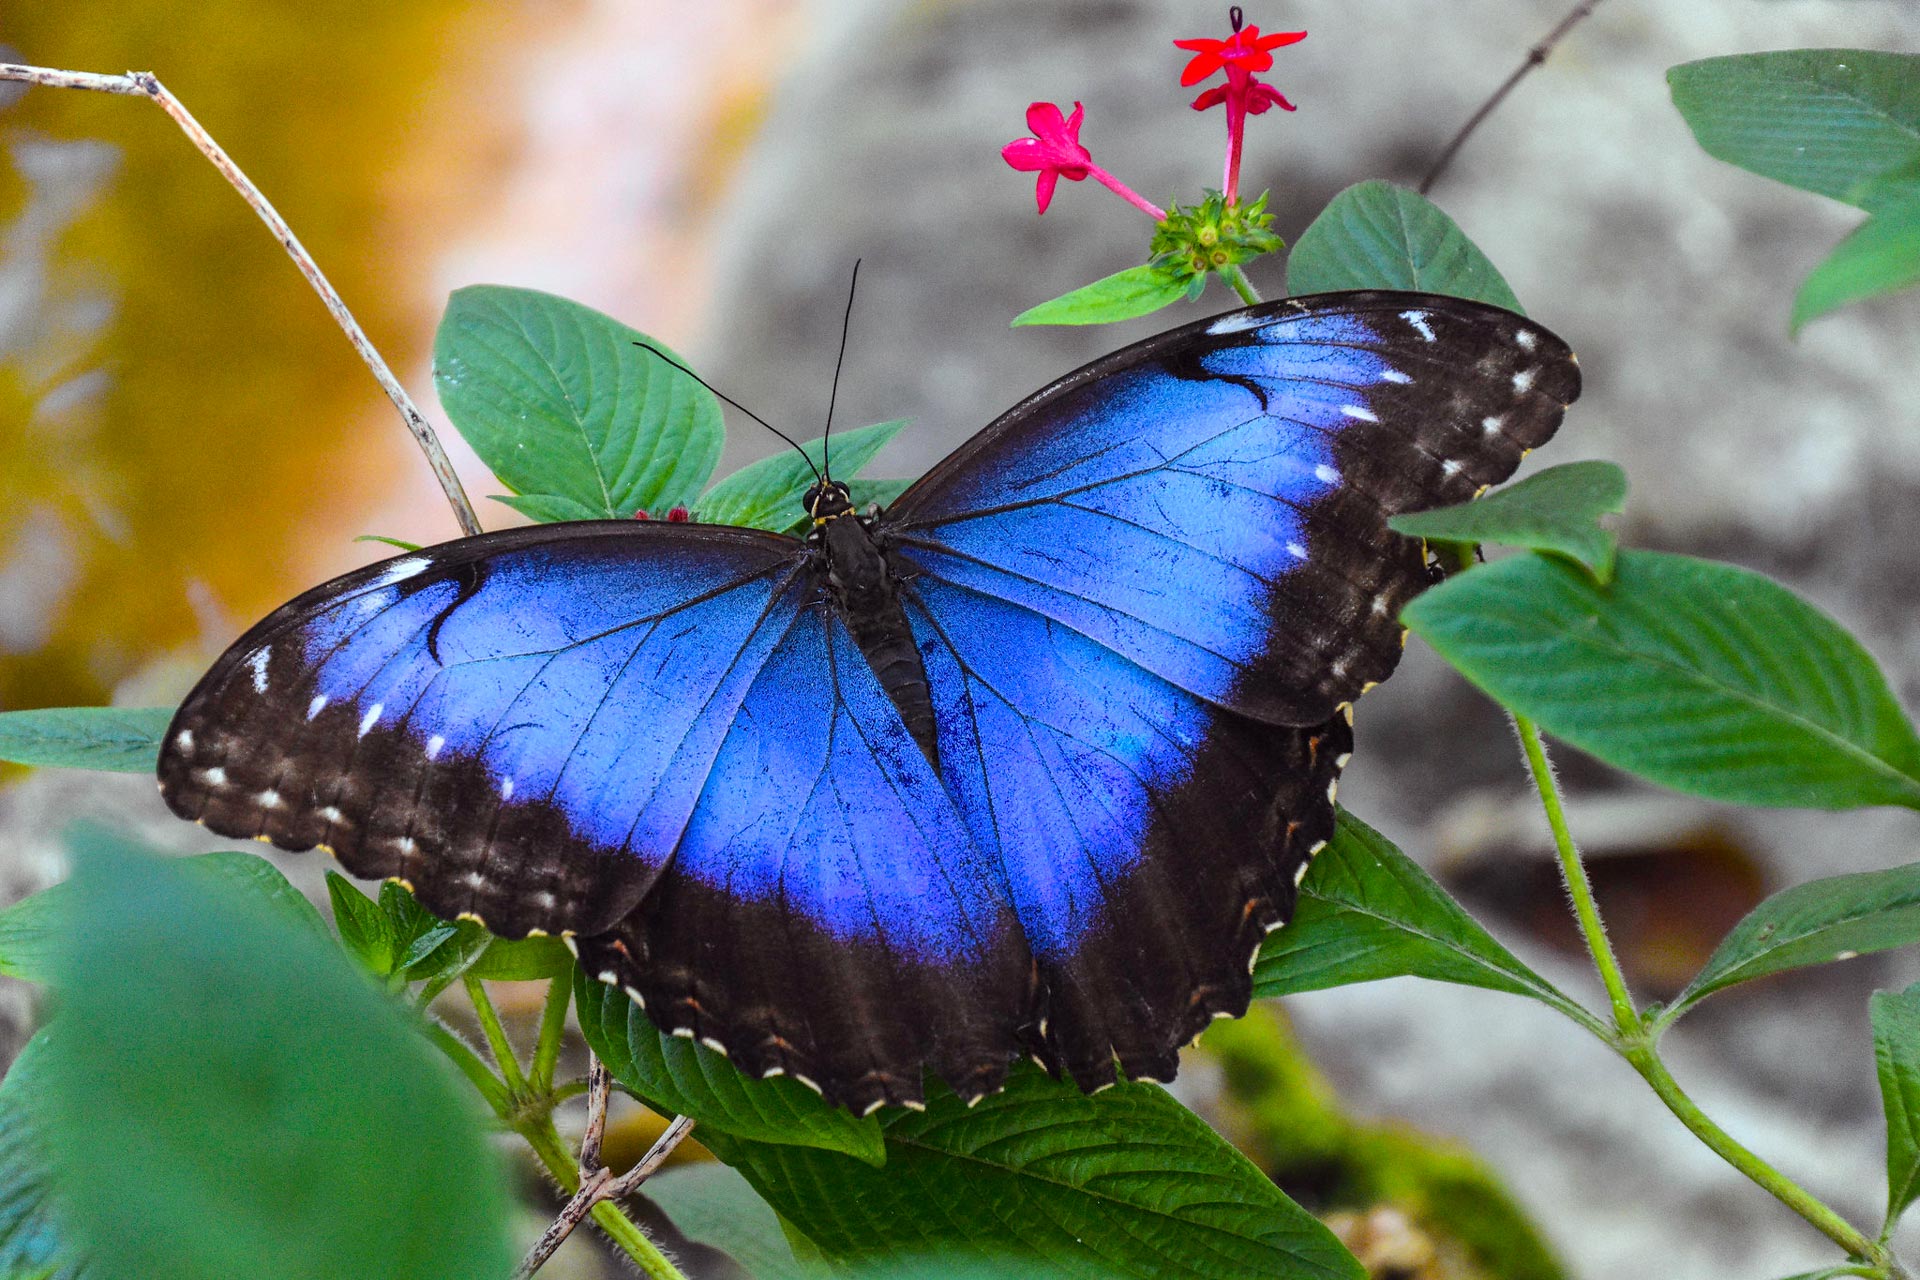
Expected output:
{"points": [[647, 346], [846, 322]]}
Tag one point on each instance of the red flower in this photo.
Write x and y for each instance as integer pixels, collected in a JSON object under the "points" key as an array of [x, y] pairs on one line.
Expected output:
{"points": [[677, 515], [1054, 152], [1240, 55], [1246, 50]]}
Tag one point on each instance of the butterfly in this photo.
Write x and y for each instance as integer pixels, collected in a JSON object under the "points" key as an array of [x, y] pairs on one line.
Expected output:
{"points": [[1027, 763]]}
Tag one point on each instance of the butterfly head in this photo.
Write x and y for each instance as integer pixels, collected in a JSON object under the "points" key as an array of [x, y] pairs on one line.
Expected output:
{"points": [[828, 500]]}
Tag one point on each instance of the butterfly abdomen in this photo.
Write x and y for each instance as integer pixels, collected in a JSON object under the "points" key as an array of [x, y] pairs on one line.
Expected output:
{"points": [[862, 584]]}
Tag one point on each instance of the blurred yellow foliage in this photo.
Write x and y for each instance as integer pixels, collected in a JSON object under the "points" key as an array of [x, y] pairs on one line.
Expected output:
{"points": [[235, 426]]}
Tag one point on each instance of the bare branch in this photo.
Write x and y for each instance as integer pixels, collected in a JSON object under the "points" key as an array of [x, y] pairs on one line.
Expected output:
{"points": [[144, 84], [1535, 56], [597, 1183]]}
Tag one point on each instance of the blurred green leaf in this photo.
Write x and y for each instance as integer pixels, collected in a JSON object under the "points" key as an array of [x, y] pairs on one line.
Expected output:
{"points": [[713, 1205], [1375, 235], [33, 1239], [1698, 676], [676, 1076], [392, 542], [1123, 1183], [884, 492], [1557, 510], [256, 1091], [1124, 295], [549, 508], [557, 400], [1367, 911], [1824, 120], [1882, 255], [1896, 1052], [31, 930], [1815, 923], [113, 739], [766, 494]]}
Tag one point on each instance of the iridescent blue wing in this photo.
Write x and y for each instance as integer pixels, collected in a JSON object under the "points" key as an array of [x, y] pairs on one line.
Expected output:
{"points": [[656, 737], [829, 914], [1147, 595], [1211, 504], [518, 725]]}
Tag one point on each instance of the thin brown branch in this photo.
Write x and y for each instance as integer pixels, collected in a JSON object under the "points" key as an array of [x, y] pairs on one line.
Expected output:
{"points": [[144, 84], [597, 1183], [1535, 57]]}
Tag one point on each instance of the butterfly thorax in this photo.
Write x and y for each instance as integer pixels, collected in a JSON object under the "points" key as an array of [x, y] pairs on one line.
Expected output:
{"points": [[863, 585]]}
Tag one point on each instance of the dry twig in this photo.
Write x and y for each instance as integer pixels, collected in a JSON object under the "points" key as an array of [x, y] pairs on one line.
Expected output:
{"points": [[143, 84]]}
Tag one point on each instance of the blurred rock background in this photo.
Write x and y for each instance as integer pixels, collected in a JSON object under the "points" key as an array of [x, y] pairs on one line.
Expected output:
{"points": [[185, 440]]}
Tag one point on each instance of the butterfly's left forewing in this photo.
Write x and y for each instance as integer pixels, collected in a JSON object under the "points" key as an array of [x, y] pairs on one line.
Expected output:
{"points": [[518, 725]]}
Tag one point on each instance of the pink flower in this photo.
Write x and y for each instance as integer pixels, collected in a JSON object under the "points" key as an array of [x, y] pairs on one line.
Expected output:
{"points": [[1054, 152], [1240, 55]]}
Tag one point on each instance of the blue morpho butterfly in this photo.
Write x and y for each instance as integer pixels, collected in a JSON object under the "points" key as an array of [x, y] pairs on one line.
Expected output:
{"points": [[1027, 763]]}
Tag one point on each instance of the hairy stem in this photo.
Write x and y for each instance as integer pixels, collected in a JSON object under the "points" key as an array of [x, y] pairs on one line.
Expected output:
{"points": [[1625, 1016], [1646, 1060], [553, 1032], [496, 1035], [139, 84], [626, 1234], [1634, 1042], [1241, 285]]}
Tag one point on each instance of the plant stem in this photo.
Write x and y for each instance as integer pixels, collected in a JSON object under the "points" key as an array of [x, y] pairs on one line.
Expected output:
{"points": [[1646, 1060], [1625, 1016], [544, 1138], [470, 1065], [138, 84], [1241, 285], [553, 1030], [496, 1037], [1632, 1039]]}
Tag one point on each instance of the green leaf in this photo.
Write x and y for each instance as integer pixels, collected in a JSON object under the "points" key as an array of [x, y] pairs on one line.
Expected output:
{"points": [[1367, 911], [1375, 235], [1123, 1183], [1557, 510], [34, 1241], [1124, 295], [1823, 120], [254, 1090], [713, 1205], [527, 960], [766, 494], [676, 1076], [113, 739], [1896, 1052], [884, 492], [363, 927], [557, 399], [1882, 255], [392, 542], [1698, 676], [31, 929], [1815, 923], [549, 508]]}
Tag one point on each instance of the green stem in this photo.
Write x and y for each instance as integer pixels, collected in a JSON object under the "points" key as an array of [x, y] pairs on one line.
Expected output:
{"points": [[1647, 1062], [1625, 1016], [471, 1066], [496, 1036], [1241, 285], [611, 1218], [1635, 1042], [553, 1030]]}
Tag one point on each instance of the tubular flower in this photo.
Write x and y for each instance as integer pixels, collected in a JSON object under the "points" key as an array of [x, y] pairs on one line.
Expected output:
{"points": [[1054, 152], [1240, 55]]}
